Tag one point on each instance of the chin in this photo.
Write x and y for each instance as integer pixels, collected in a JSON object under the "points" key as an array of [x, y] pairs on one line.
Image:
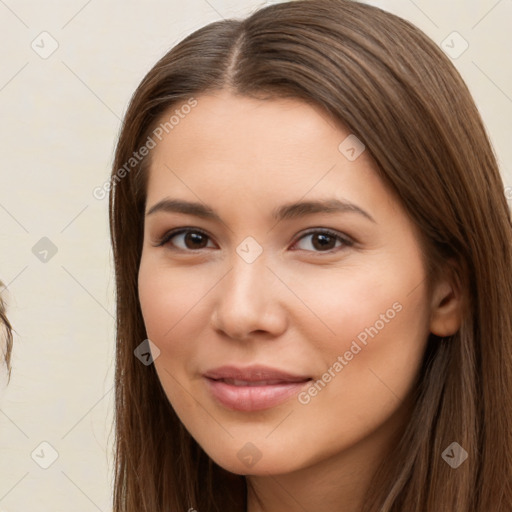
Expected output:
{"points": [[249, 461]]}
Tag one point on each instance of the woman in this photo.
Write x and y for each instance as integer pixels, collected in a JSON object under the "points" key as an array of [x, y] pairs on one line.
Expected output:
{"points": [[259, 368]]}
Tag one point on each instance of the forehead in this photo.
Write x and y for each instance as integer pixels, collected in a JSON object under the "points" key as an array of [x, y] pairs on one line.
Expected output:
{"points": [[277, 135], [232, 126], [257, 151]]}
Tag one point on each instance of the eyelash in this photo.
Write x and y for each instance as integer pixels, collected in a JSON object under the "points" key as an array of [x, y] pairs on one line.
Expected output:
{"points": [[346, 241]]}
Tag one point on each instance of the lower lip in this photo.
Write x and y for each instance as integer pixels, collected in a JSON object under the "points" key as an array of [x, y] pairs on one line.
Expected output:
{"points": [[253, 398]]}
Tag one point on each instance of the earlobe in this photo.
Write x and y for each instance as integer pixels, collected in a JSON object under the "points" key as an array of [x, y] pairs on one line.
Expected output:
{"points": [[446, 309]]}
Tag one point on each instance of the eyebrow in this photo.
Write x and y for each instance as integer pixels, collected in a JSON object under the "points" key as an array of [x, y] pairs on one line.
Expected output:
{"points": [[283, 212]]}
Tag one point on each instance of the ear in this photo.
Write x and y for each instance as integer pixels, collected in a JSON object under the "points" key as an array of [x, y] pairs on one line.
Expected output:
{"points": [[446, 305]]}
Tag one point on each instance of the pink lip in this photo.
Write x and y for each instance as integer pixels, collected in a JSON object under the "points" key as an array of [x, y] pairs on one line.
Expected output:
{"points": [[276, 386]]}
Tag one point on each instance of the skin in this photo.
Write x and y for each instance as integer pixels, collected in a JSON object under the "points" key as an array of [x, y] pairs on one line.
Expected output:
{"points": [[297, 307]]}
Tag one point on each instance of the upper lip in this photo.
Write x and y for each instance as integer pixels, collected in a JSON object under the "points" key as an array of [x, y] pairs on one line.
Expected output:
{"points": [[253, 373]]}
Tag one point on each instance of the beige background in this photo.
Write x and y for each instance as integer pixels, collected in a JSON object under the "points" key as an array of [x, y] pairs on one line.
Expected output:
{"points": [[60, 116]]}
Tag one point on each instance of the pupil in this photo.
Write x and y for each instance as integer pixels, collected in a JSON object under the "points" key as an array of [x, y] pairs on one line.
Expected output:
{"points": [[195, 238], [326, 239]]}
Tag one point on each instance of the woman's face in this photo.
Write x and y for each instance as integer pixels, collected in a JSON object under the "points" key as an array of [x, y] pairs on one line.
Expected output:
{"points": [[294, 257]]}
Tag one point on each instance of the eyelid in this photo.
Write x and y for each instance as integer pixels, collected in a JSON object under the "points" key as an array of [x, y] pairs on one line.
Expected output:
{"points": [[166, 237], [346, 240]]}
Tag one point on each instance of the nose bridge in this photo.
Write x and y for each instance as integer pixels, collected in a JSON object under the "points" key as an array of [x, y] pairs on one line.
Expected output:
{"points": [[246, 299], [247, 285]]}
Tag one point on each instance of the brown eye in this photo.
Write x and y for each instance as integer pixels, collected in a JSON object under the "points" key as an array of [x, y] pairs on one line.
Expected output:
{"points": [[190, 239], [195, 240], [323, 241]]}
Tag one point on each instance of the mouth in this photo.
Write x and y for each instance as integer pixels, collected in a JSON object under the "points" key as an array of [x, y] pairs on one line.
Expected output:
{"points": [[254, 388], [236, 382]]}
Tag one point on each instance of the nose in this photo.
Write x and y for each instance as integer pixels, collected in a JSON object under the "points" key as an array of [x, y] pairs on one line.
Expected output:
{"points": [[249, 301]]}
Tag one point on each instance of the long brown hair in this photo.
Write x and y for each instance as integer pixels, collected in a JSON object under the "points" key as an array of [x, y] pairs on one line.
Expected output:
{"points": [[5, 336], [402, 97]]}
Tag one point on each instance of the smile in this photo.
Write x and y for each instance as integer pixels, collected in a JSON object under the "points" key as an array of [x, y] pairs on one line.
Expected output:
{"points": [[252, 388]]}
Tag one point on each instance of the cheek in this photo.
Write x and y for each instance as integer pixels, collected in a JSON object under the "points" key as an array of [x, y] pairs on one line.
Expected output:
{"points": [[378, 319], [175, 307], [158, 308], [337, 305], [169, 306], [369, 365], [167, 298], [380, 324]]}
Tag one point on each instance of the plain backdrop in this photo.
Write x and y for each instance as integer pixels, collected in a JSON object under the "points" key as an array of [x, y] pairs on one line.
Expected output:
{"points": [[60, 117]]}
